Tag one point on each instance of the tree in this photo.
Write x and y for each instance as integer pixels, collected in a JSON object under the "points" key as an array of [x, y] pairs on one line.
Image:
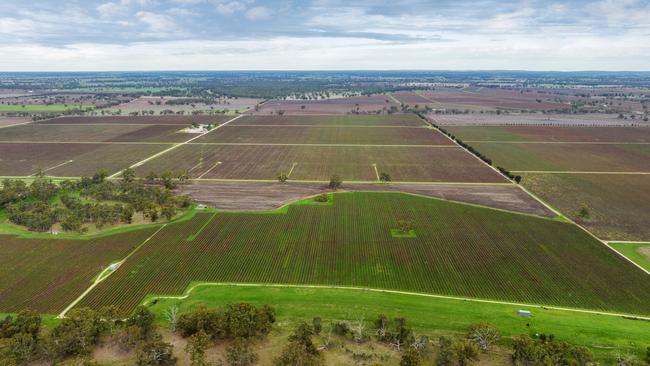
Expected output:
{"points": [[196, 347], [128, 175], [171, 314], [151, 177], [465, 352], [300, 350], [584, 213], [282, 177], [129, 337], [142, 318], [446, 354], [99, 176], [240, 353], [405, 226], [76, 334], [384, 177], [484, 335], [410, 357], [155, 353], [335, 182], [317, 323]]}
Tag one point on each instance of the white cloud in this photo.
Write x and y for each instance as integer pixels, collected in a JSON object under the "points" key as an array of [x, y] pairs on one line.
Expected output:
{"points": [[122, 6], [230, 7], [156, 22], [257, 13]]}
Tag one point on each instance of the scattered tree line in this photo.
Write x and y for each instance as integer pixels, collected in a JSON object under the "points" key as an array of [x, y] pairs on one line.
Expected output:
{"points": [[478, 154]]}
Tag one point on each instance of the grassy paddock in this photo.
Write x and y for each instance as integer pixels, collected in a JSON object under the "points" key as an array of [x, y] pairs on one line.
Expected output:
{"points": [[604, 335], [633, 251]]}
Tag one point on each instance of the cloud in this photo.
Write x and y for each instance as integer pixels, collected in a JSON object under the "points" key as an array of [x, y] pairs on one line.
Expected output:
{"points": [[230, 7], [257, 13], [156, 22], [122, 6]]}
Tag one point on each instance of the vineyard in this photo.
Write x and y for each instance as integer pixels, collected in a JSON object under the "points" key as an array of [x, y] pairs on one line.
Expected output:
{"points": [[47, 274], [458, 250]]}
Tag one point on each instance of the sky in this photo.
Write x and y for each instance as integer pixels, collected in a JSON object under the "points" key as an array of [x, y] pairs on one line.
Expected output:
{"points": [[116, 35]]}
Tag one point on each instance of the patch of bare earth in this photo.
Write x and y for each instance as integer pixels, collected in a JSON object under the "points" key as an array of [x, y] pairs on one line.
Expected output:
{"points": [[645, 251], [251, 196], [9, 121]]}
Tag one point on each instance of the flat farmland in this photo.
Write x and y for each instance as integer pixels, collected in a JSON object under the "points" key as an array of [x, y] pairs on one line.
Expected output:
{"points": [[618, 205], [411, 98], [144, 120], [93, 133], [487, 99], [71, 159], [567, 157], [352, 163], [458, 250], [48, 274], [352, 135], [551, 134], [333, 120], [535, 119]]}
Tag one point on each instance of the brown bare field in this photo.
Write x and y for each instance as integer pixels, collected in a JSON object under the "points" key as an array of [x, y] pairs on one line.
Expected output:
{"points": [[8, 121], [383, 120], [482, 119], [254, 196], [352, 163], [618, 205], [411, 98], [25, 159], [489, 98], [551, 134], [143, 120], [360, 104], [356, 135], [71, 99], [95, 133], [567, 157]]}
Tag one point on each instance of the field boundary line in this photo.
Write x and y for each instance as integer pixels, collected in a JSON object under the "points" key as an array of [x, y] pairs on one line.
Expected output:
{"points": [[560, 142], [350, 181], [100, 278], [54, 167], [327, 126], [189, 291], [17, 124], [291, 170], [139, 163], [198, 232], [374, 166], [209, 170], [627, 242], [324, 145], [391, 96], [577, 172]]}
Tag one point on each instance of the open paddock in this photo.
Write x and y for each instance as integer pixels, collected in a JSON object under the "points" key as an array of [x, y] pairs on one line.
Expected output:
{"points": [[551, 134], [70, 159], [158, 104], [352, 135], [358, 104], [142, 120], [618, 205], [9, 121], [352, 163], [369, 120], [535, 119], [567, 157], [411, 98]]}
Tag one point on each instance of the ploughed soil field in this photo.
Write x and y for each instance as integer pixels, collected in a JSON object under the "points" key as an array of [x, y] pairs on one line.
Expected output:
{"points": [[618, 205], [311, 162], [105, 132], [369, 120], [411, 98], [355, 135], [358, 104], [256, 196], [552, 134], [568, 157], [145, 120], [48, 274], [605, 170], [535, 119], [71, 159], [158, 104], [455, 249], [8, 121]]}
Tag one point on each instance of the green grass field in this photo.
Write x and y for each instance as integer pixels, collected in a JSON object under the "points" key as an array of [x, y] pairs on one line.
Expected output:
{"points": [[638, 252], [42, 108], [459, 250], [604, 335]]}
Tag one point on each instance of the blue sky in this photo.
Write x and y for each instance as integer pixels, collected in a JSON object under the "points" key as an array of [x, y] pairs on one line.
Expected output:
{"points": [[54, 35]]}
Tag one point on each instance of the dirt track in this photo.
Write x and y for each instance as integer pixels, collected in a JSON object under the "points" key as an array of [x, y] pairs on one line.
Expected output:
{"points": [[250, 196]]}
